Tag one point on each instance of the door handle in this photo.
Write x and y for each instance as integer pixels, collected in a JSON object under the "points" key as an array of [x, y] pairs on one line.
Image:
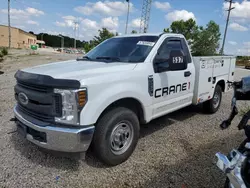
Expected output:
{"points": [[187, 73]]}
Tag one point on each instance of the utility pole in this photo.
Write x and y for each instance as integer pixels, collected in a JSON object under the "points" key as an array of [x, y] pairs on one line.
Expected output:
{"points": [[126, 29], [75, 27], [75, 34], [62, 42], [228, 16], [78, 37], [9, 23], [42, 36]]}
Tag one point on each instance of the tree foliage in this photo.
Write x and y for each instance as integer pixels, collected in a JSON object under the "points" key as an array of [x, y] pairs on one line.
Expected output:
{"points": [[55, 40], [203, 41], [133, 31], [4, 51], [207, 42], [188, 28], [89, 45], [243, 58], [103, 35]]}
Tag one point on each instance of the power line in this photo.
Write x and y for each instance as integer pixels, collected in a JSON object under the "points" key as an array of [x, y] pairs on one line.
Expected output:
{"points": [[228, 16], [23, 3]]}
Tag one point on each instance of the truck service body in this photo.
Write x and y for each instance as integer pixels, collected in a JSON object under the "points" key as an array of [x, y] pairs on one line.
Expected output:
{"points": [[66, 105]]}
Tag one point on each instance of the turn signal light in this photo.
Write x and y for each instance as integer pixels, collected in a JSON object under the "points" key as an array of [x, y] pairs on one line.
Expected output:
{"points": [[82, 98]]}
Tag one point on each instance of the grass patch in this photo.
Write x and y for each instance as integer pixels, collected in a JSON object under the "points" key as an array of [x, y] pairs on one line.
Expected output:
{"points": [[5, 51], [28, 55]]}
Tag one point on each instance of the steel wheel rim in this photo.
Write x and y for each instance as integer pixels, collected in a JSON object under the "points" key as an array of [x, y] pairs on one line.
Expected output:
{"points": [[121, 137], [216, 99]]}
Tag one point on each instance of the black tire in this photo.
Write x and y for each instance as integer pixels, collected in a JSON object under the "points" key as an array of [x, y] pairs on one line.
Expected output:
{"points": [[209, 106], [226, 185], [105, 126]]}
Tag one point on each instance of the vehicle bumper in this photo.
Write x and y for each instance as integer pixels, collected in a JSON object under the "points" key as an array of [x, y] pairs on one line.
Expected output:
{"points": [[55, 137]]}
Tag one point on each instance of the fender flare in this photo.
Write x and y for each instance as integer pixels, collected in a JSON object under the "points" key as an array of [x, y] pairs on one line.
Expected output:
{"points": [[94, 108]]}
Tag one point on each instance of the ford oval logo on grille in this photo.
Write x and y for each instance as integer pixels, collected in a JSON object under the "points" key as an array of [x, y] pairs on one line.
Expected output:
{"points": [[23, 99]]}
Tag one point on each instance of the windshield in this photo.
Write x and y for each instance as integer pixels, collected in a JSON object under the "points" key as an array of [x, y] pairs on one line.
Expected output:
{"points": [[124, 49]]}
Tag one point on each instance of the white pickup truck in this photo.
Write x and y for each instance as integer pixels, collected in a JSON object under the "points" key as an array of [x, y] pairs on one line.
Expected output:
{"points": [[102, 98]]}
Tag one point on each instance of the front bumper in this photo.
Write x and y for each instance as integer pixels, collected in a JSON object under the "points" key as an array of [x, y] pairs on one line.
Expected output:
{"points": [[54, 137]]}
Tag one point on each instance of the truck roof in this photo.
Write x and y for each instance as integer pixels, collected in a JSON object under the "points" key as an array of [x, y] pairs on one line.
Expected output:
{"points": [[150, 34]]}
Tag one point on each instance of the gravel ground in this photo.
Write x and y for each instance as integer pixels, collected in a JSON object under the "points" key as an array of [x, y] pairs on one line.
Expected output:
{"points": [[176, 150]]}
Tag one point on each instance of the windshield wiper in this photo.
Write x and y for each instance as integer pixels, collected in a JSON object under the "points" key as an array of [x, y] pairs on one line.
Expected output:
{"points": [[83, 58], [109, 58]]}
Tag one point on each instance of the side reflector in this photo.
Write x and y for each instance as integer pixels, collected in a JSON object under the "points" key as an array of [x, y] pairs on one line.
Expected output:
{"points": [[82, 98]]}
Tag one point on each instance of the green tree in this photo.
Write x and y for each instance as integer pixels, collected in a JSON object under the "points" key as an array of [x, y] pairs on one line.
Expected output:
{"points": [[104, 34], [188, 28], [55, 40], [243, 58], [203, 41], [88, 46], [133, 31], [207, 42]]}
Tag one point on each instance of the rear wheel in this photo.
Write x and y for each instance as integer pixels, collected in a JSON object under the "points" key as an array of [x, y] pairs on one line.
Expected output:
{"points": [[213, 105], [116, 136]]}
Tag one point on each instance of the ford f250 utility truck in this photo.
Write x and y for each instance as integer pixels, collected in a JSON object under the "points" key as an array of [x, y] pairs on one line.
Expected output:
{"points": [[101, 99]]}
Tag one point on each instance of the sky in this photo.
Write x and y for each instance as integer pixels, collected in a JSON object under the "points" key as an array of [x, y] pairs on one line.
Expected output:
{"points": [[59, 17]]}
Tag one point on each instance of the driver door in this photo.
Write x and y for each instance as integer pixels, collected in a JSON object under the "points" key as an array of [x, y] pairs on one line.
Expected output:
{"points": [[173, 89]]}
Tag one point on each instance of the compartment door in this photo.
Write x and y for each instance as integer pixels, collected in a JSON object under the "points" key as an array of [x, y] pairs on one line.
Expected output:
{"points": [[205, 82]]}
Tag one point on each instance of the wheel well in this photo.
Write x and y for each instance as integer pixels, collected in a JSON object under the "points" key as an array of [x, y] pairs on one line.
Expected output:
{"points": [[222, 84], [129, 103]]}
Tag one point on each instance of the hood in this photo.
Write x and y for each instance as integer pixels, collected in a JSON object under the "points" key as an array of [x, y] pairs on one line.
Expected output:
{"points": [[79, 69]]}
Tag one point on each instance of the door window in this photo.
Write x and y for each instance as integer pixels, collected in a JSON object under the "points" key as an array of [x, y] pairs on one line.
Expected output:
{"points": [[186, 51], [168, 46]]}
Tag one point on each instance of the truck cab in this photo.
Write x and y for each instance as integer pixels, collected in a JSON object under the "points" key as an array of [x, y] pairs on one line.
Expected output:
{"points": [[102, 98]]}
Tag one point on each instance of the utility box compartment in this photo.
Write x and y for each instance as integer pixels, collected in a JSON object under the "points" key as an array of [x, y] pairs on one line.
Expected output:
{"points": [[208, 72]]}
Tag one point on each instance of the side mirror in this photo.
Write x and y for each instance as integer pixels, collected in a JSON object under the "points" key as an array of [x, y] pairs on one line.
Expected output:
{"points": [[175, 61]]}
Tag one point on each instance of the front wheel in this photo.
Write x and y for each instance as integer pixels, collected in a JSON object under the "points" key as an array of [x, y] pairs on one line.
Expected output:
{"points": [[213, 105], [116, 136]]}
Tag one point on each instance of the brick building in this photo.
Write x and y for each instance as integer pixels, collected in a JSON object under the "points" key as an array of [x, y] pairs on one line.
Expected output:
{"points": [[19, 38]]}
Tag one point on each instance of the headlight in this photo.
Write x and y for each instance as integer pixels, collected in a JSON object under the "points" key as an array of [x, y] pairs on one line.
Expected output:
{"points": [[72, 103]]}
